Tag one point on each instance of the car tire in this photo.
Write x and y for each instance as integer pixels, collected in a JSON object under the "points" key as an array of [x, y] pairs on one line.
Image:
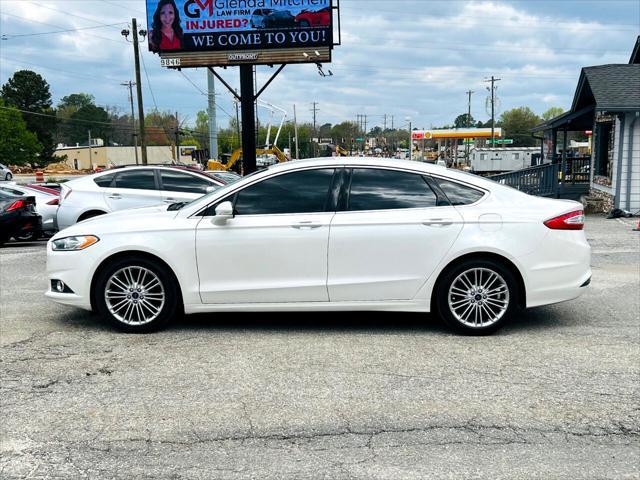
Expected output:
{"points": [[27, 237], [477, 297], [304, 24], [137, 295], [8, 176]]}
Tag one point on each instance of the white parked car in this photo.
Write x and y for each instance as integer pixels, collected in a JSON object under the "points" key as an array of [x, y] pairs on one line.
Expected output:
{"points": [[130, 187], [5, 173], [329, 234], [46, 205]]}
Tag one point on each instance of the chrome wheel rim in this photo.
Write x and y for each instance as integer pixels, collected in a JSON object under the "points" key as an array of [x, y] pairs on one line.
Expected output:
{"points": [[134, 295], [478, 297]]}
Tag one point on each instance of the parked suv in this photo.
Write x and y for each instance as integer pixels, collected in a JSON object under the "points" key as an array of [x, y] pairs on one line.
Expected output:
{"points": [[130, 187]]}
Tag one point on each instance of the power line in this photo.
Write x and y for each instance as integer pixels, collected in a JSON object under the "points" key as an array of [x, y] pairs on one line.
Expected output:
{"points": [[57, 26], [67, 13], [9, 36]]}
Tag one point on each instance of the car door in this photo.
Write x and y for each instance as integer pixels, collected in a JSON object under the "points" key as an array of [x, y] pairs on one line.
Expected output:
{"points": [[179, 186], [391, 233], [132, 188], [275, 248]]}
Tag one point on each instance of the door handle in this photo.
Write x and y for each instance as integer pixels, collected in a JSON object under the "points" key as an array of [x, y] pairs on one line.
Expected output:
{"points": [[304, 225], [115, 196], [170, 200], [438, 222]]}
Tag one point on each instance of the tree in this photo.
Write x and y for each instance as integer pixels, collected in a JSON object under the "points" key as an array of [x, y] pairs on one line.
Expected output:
{"points": [[89, 119], [19, 146], [463, 121], [517, 124], [553, 112], [29, 92], [76, 101]]}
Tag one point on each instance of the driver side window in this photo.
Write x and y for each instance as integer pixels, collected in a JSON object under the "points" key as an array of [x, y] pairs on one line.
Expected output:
{"points": [[297, 192]]}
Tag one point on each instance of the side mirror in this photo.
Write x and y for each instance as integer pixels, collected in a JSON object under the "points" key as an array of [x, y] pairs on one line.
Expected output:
{"points": [[211, 189], [224, 212]]}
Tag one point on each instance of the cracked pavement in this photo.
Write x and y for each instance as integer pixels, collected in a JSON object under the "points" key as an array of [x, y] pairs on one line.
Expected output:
{"points": [[362, 395]]}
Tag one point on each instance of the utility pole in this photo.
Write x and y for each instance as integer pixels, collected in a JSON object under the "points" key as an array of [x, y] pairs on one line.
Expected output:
{"points": [[136, 54], [493, 80], [315, 110], [467, 149], [295, 131], [90, 159], [177, 152], [133, 117], [213, 125], [385, 122]]}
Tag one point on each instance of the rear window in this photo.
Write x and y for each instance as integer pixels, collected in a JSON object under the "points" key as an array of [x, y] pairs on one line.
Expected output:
{"points": [[136, 179], [459, 194]]}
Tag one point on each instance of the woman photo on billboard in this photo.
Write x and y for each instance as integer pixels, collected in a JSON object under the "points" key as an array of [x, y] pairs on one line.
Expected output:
{"points": [[166, 32]]}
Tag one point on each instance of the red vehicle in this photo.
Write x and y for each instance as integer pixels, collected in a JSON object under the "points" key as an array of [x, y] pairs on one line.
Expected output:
{"points": [[320, 18]]}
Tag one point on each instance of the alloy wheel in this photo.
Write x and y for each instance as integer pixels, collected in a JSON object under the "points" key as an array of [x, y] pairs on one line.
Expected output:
{"points": [[134, 295], [478, 297]]}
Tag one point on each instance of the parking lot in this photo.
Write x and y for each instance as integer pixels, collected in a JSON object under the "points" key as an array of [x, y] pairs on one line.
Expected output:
{"points": [[366, 395]]}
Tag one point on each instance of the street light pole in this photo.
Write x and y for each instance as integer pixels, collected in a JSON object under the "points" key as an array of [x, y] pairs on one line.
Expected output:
{"points": [[136, 53]]}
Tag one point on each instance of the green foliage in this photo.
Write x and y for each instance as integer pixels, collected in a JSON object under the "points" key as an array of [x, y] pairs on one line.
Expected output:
{"points": [[29, 92], [517, 124], [18, 146], [553, 112], [463, 121], [89, 118]]}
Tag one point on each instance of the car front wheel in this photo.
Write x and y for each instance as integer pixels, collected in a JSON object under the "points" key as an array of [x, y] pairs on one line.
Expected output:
{"points": [[8, 176], [137, 295], [477, 297]]}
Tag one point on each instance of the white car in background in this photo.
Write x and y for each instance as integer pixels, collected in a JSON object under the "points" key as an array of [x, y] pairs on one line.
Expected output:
{"points": [[5, 173], [329, 234], [130, 187], [46, 205]]}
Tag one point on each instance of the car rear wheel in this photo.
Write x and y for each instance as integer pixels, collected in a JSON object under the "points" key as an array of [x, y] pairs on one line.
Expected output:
{"points": [[137, 295], [477, 297], [27, 237]]}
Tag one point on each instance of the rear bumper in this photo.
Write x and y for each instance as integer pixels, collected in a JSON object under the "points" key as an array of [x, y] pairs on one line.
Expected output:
{"points": [[558, 271]]}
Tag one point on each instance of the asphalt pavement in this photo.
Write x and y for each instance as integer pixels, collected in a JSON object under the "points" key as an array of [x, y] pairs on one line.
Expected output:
{"points": [[555, 394]]}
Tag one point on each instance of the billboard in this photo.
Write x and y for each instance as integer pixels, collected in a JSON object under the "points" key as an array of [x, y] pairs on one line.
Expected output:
{"points": [[227, 32]]}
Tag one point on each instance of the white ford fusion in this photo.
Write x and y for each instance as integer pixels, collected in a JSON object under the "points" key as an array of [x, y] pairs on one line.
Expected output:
{"points": [[329, 234]]}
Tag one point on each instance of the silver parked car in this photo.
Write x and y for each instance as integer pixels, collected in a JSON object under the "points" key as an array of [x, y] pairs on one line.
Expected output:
{"points": [[131, 187], [5, 173]]}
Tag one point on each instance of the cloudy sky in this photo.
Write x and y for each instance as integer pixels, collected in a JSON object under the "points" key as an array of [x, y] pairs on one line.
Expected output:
{"points": [[398, 58]]}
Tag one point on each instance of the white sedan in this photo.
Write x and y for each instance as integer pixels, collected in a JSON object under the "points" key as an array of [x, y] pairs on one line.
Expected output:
{"points": [[334, 235]]}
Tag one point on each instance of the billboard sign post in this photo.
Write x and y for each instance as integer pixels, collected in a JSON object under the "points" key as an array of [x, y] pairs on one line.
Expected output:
{"points": [[222, 33]]}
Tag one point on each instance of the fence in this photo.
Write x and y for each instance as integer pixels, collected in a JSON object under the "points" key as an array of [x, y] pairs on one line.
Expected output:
{"points": [[568, 179]]}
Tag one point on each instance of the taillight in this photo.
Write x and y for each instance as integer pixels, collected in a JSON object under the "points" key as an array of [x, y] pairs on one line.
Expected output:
{"points": [[16, 205], [568, 221], [55, 201]]}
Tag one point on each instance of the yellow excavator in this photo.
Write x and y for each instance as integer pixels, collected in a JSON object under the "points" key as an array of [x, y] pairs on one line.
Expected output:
{"points": [[237, 153], [341, 152]]}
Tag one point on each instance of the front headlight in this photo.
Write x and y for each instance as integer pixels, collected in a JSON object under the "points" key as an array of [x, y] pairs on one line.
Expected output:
{"points": [[74, 243]]}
